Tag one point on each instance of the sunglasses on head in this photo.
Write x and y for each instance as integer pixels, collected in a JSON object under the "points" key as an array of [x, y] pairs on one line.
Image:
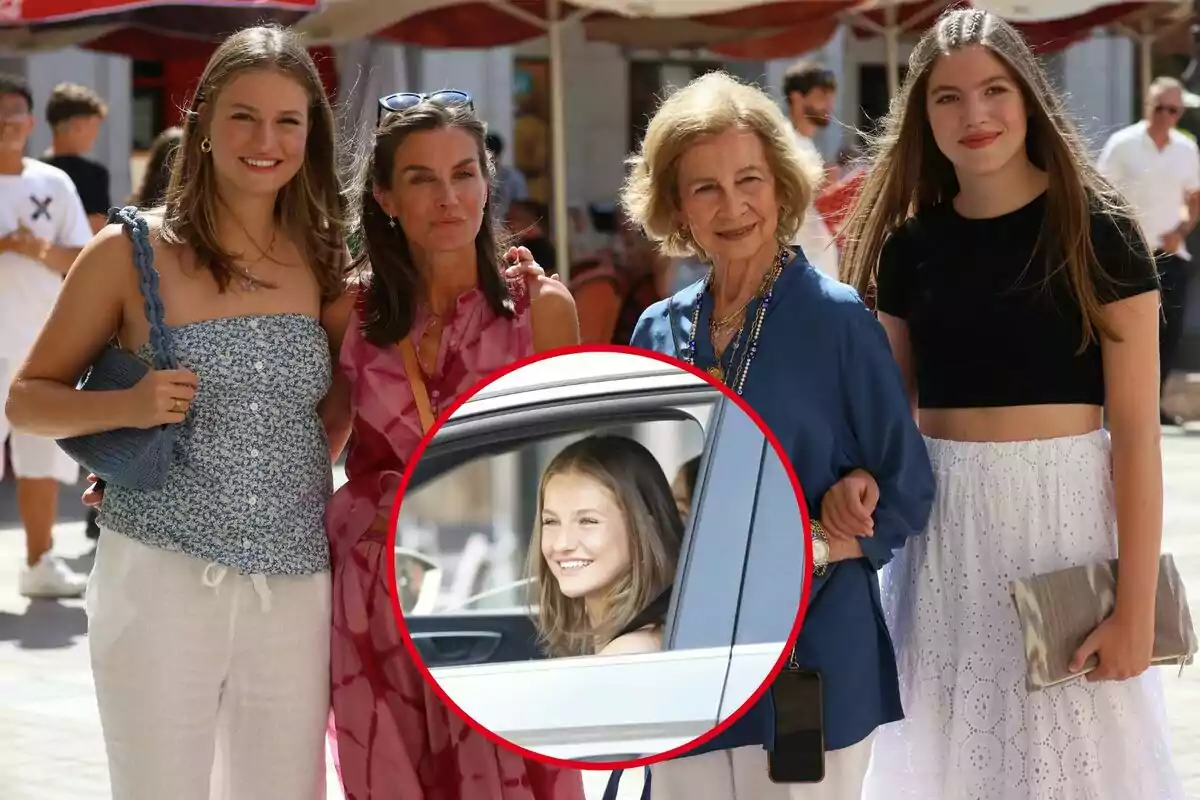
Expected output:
{"points": [[402, 101], [1172, 110]]}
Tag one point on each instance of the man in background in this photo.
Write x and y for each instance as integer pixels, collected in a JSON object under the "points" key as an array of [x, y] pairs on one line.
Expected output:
{"points": [[1157, 169], [510, 184], [75, 114], [42, 228], [810, 90]]}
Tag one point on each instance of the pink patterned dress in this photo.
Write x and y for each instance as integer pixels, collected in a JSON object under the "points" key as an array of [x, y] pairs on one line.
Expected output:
{"points": [[393, 738]]}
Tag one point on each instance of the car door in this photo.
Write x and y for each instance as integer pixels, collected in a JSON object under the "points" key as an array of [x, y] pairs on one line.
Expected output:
{"points": [[776, 570], [618, 707]]}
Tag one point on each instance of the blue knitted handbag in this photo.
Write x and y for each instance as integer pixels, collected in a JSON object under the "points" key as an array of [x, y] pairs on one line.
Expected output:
{"points": [[135, 458]]}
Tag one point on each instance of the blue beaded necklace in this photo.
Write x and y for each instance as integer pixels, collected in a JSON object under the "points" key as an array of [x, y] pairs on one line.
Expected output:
{"points": [[742, 368]]}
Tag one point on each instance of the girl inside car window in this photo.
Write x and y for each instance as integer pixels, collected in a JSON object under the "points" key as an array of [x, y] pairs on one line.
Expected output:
{"points": [[604, 549]]}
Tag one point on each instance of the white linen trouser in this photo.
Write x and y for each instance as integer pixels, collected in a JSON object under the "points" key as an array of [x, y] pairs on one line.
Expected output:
{"points": [[211, 686], [741, 774]]}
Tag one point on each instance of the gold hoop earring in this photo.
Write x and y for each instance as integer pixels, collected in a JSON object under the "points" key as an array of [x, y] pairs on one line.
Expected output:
{"points": [[205, 145]]}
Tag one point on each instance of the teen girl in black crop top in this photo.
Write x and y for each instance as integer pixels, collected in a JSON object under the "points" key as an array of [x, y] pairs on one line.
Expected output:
{"points": [[1021, 304]]}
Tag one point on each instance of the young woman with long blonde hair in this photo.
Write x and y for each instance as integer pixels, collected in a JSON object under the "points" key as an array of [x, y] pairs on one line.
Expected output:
{"points": [[604, 549], [1021, 304], [209, 603]]}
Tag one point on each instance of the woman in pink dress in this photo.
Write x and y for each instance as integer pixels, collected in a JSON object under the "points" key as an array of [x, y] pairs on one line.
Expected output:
{"points": [[433, 277]]}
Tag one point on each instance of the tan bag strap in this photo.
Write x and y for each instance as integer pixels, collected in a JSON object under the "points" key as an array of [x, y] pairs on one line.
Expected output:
{"points": [[417, 382]]}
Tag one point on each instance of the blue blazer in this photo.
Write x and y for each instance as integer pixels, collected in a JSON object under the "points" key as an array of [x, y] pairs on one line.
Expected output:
{"points": [[825, 382]]}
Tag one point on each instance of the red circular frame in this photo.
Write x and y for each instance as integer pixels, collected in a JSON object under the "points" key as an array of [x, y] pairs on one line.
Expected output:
{"points": [[394, 593]]}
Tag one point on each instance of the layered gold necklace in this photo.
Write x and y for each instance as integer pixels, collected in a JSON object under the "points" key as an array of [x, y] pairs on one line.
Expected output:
{"points": [[734, 321]]}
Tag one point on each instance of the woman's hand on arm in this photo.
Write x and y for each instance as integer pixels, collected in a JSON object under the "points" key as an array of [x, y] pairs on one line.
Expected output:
{"points": [[848, 508], [552, 309], [335, 407], [43, 400], [1125, 641]]}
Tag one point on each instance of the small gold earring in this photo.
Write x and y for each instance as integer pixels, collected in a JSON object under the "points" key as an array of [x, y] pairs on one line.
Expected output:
{"points": [[205, 145]]}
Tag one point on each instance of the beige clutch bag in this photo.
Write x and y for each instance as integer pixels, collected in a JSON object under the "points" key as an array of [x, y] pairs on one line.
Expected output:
{"points": [[1059, 610]]}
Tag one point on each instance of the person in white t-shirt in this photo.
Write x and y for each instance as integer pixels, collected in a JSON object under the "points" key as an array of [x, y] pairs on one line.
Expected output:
{"points": [[1157, 168], [42, 228], [810, 90]]}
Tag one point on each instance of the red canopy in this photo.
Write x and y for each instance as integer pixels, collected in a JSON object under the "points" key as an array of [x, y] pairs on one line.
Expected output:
{"points": [[182, 33], [477, 23], [145, 29], [29, 12], [1044, 37]]}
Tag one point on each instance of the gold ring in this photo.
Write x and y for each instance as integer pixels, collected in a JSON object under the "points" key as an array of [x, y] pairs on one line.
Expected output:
{"points": [[180, 406]]}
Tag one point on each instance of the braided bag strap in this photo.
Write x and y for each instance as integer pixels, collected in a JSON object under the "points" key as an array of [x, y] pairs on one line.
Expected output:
{"points": [[143, 258]]}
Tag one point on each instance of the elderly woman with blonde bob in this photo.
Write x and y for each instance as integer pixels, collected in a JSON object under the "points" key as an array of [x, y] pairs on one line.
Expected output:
{"points": [[719, 176]]}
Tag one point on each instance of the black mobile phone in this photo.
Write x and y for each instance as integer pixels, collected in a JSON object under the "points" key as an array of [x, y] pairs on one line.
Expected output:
{"points": [[799, 754]]}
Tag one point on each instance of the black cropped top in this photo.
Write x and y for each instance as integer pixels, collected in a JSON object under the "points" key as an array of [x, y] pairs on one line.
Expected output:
{"points": [[986, 326]]}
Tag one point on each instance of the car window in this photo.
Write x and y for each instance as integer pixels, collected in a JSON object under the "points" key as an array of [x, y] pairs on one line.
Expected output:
{"points": [[474, 521]]}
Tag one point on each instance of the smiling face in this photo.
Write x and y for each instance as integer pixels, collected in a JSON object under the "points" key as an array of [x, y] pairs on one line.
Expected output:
{"points": [[16, 122], [976, 111], [584, 536], [439, 189], [258, 128], [727, 197]]}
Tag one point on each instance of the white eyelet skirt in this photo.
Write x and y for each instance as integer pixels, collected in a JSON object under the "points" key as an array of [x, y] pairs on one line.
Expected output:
{"points": [[971, 730]]}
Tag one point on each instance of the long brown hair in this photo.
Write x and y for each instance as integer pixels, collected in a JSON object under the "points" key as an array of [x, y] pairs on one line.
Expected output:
{"points": [[630, 473], [310, 209], [394, 284], [152, 192], [908, 172]]}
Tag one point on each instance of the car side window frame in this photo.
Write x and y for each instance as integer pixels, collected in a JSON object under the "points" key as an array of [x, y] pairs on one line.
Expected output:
{"points": [[773, 583], [708, 580]]}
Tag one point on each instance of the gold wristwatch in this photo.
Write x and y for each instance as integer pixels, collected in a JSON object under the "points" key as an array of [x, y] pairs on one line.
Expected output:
{"points": [[820, 548]]}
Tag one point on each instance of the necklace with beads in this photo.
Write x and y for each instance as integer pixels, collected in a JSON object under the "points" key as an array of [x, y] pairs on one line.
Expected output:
{"points": [[739, 369]]}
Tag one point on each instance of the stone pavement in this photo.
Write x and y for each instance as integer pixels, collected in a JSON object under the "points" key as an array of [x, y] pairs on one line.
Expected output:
{"points": [[50, 743]]}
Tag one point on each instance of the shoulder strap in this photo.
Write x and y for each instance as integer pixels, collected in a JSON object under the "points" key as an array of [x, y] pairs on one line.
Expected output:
{"points": [[654, 613], [143, 258], [420, 396]]}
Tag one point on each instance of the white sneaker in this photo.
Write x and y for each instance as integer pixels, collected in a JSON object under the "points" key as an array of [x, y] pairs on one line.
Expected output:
{"points": [[50, 577]]}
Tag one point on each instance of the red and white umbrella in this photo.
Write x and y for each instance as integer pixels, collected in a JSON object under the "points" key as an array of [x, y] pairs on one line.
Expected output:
{"points": [[144, 28], [1048, 25], [657, 24], [33, 12]]}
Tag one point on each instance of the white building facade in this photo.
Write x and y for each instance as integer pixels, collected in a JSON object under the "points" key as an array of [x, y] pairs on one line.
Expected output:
{"points": [[597, 76]]}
